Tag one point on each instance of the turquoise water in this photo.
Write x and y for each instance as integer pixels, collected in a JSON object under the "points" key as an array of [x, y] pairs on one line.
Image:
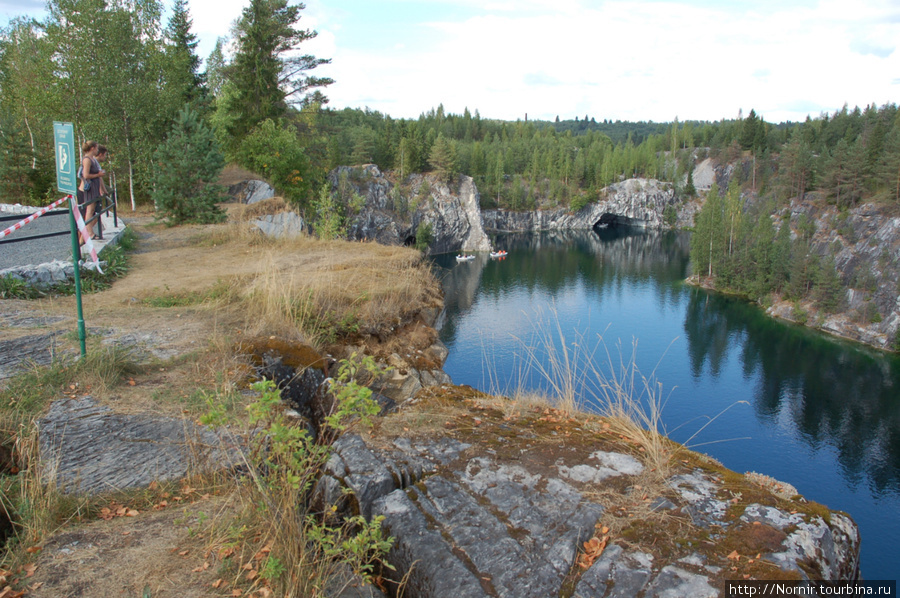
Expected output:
{"points": [[756, 394]]}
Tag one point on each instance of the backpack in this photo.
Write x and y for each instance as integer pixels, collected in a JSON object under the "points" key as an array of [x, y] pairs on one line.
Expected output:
{"points": [[87, 183]]}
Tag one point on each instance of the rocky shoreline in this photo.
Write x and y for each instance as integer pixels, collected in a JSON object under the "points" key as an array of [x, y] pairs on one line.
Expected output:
{"points": [[865, 240]]}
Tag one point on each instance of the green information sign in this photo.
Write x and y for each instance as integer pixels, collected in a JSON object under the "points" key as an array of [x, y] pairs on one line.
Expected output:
{"points": [[66, 158]]}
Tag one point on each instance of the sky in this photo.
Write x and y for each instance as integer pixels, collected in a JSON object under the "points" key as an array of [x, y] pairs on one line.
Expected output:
{"points": [[617, 60]]}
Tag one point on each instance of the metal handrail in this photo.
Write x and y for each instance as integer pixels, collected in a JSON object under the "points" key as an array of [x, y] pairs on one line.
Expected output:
{"points": [[18, 217]]}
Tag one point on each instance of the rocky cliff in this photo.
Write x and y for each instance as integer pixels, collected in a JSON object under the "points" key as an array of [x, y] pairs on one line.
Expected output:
{"points": [[392, 213], [865, 245], [634, 202]]}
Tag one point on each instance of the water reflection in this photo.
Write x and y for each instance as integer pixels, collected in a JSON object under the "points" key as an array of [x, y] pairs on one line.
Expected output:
{"points": [[835, 393], [826, 414], [548, 263]]}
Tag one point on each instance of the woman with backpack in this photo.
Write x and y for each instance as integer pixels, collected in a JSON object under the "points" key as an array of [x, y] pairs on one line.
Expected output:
{"points": [[91, 186]]}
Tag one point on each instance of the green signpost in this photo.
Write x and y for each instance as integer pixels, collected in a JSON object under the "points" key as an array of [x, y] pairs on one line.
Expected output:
{"points": [[67, 182]]}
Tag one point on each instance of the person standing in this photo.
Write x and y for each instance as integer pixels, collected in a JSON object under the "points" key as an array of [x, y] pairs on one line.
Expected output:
{"points": [[89, 189], [102, 155]]}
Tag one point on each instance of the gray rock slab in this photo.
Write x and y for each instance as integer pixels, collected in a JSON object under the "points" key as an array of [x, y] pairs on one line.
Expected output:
{"points": [[674, 582], [434, 570], [34, 348], [361, 471], [87, 448], [469, 520], [284, 225]]}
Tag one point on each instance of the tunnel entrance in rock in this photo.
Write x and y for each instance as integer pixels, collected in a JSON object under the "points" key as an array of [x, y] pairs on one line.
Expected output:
{"points": [[410, 241], [610, 220]]}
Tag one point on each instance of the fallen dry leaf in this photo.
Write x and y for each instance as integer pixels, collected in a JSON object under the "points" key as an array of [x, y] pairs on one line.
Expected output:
{"points": [[224, 553], [734, 556], [218, 583], [30, 568]]}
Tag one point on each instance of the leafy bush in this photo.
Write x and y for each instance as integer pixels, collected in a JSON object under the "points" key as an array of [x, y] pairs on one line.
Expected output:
{"points": [[187, 165], [300, 546], [274, 151], [424, 235], [578, 202], [670, 215], [328, 219]]}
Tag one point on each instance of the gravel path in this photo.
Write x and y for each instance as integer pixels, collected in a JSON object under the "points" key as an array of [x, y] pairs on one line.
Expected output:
{"points": [[37, 251]]}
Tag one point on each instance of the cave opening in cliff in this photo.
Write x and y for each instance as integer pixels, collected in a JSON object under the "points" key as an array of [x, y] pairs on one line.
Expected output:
{"points": [[410, 241], [609, 220]]}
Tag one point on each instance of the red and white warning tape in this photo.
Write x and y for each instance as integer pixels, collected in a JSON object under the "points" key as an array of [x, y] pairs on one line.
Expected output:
{"points": [[33, 217], [79, 222]]}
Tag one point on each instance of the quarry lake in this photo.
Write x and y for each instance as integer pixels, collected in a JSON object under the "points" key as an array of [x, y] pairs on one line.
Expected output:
{"points": [[814, 411]]}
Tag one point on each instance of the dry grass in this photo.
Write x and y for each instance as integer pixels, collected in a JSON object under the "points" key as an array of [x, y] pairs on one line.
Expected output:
{"points": [[324, 287], [584, 377], [623, 507], [233, 174]]}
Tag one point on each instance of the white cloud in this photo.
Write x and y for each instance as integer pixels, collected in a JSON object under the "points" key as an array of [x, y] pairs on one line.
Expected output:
{"points": [[627, 60], [613, 59]]}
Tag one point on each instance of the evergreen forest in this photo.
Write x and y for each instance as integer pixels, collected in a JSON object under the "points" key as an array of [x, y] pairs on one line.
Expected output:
{"points": [[135, 83], [269, 113]]}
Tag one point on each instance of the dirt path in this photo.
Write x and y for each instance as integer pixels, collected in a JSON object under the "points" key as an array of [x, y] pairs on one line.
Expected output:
{"points": [[157, 553]]}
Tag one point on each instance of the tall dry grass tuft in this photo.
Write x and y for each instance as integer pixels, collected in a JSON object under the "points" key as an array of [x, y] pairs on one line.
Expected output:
{"points": [[584, 377], [327, 289], [33, 503]]}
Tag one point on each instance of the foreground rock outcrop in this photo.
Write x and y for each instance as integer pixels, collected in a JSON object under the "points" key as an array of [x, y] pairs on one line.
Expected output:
{"points": [[487, 499], [87, 448]]}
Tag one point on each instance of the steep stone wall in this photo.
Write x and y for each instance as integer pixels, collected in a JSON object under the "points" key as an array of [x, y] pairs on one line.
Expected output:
{"points": [[392, 216], [865, 245], [635, 202]]}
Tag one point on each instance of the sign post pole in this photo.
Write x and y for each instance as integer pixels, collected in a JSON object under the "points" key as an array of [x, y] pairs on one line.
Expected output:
{"points": [[67, 182]]}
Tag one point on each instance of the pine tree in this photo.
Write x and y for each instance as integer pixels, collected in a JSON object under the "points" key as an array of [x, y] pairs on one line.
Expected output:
{"points": [[268, 72], [443, 159], [187, 85], [889, 167], [708, 240], [215, 68], [689, 189], [187, 165], [750, 130]]}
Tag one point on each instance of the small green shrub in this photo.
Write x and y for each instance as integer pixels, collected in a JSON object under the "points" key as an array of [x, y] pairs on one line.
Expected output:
{"points": [[328, 219], [578, 202], [274, 151], [800, 315], [670, 215], [424, 235], [188, 164]]}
